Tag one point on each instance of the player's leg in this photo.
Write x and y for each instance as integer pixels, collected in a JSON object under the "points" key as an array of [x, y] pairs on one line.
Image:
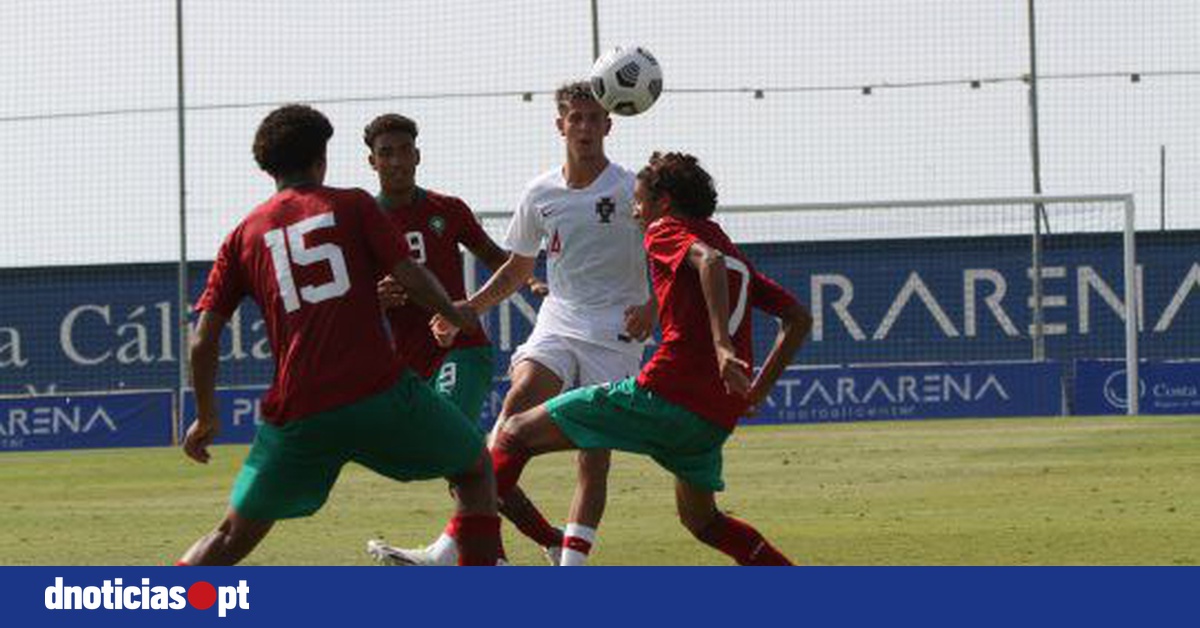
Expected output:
{"points": [[597, 365], [287, 473], [535, 378], [232, 540], [412, 433], [476, 524], [695, 457], [465, 378], [520, 438], [587, 506], [626, 417], [539, 367], [735, 538]]}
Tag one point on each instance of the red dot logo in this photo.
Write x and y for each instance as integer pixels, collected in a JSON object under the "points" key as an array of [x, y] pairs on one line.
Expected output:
{"points": [[202, 595]]}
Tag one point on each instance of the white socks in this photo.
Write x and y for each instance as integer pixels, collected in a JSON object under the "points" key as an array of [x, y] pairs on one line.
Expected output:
{"points": [[577, 543], [444, 550]]}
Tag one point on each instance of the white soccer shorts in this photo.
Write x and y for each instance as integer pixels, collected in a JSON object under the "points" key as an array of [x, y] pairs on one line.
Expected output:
{"points": [[578, 362]]}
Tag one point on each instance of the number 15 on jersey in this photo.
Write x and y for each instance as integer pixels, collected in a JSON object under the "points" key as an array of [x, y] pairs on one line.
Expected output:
{"points": [[302, 255]]}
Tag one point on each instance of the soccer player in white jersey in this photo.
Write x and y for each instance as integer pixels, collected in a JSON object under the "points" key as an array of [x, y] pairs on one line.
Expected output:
{"points": [[590, 327]]}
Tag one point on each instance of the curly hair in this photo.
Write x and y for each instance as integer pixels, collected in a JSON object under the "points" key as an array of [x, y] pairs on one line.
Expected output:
{"points": [[574, 91], [388, 123], [680, 177], [291, 139]]}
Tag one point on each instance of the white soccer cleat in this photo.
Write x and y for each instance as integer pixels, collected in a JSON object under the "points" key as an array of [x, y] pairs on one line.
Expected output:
{"points": [[387, 555], [553, 554]]}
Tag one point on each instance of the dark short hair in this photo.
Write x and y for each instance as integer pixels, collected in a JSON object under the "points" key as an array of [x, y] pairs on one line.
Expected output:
{"points": [[680, 177], [291, 139], [388, 123], [574, 91]]}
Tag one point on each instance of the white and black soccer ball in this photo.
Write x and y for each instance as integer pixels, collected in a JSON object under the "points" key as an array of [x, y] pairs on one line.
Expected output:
{"points": [[627, 81]]}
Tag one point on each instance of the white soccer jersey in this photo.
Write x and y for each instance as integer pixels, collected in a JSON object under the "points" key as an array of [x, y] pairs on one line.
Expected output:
{"points": [[596, 264]]}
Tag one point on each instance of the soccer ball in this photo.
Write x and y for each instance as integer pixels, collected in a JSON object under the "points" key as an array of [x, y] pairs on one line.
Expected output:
{"points": [[627, 81]]}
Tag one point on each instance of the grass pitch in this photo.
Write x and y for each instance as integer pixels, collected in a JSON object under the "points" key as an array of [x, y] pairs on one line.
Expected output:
{"points": [[1112, 491]]}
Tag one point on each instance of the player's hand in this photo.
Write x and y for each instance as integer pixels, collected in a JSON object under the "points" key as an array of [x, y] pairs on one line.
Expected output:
{"points": [[443, 330], [640, 320], [468, 320], [538, 287], [199, 436], [391, 293], [734, 372], [757, 397]]}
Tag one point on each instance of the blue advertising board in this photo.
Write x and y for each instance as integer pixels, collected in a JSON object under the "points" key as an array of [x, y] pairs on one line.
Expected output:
{"points": [[109, 328], [887, 301], [240, 411], [890, 393], [133, 419], [970, 299], [1165, 387], [802, 395]]}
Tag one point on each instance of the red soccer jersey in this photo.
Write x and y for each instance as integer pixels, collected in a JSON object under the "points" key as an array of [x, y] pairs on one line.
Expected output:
{"points": [[684, 368], [310, 257], [434, 226]]}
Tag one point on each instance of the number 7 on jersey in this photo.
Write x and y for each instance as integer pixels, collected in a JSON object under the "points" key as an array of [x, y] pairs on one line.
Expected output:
{"points": [[738, 267]]}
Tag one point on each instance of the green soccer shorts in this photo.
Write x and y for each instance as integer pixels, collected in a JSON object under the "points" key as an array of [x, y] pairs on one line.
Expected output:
{"points": [[407, 432], [465, 378], [626, 417]]}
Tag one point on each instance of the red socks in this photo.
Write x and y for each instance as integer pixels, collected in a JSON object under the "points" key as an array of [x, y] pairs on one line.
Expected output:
{"points": [[740, 541], [478, 538], [530, 521], [509, 460]]}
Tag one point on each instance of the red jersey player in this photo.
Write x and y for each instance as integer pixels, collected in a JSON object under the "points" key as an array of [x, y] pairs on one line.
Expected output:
{"points": [[309, 256], [434, 225], [686, 401]]}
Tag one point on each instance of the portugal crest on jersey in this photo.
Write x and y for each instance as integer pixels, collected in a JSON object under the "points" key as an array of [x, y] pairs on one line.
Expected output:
{"points": [[605, 208]]}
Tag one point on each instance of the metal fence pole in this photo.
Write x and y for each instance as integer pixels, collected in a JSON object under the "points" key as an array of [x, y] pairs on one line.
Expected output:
{"points": [[595, 30], [182, 296], [1039, 210], [1162, 187], [1133, 308]]}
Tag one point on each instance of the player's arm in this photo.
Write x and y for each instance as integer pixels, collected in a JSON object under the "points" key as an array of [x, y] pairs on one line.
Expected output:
{"points": [[794, 324], [508, 278], [487, 251], [714, 283], [204, 359], [641, 319], [424, 289]]}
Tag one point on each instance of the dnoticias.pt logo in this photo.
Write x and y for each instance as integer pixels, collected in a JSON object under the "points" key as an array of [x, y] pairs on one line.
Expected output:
{"points": [[114, 595]]}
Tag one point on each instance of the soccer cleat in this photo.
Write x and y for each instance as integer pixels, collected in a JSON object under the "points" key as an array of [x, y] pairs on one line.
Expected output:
{"points": [[553, 554], [385, 554]]}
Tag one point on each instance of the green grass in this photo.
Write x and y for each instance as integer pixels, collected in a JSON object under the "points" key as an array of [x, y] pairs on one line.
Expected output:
{"points": [[988, 492]]}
